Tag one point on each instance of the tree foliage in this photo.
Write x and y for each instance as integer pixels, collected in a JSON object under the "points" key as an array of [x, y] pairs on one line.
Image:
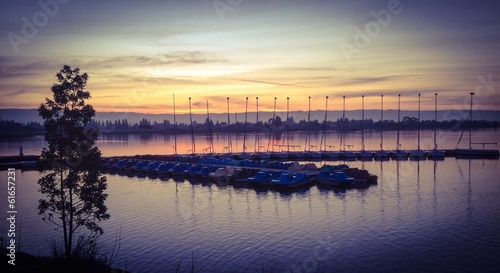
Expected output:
{"points": [[71, 181]]}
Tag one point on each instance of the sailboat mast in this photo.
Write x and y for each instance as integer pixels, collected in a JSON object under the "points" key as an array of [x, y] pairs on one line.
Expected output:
{"points": [[418, 137], [435, 119], [210, 130], [175, 128], [399, 110], [257, 144], [470, 122], [228, 129], [323, 136], [342, 141], [245, 126], [193, 145], [272, 126], [308, 141], [362, 122], [381, 122], [287, 124]]}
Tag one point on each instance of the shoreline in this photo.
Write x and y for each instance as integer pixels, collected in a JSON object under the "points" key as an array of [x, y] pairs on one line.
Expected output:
{"points": [[28, 263]]}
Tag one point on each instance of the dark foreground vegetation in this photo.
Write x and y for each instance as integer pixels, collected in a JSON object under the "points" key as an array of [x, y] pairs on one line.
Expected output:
{"points": [[26, 263]]}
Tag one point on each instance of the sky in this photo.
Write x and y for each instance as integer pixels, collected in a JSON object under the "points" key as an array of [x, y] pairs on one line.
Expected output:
{"points": [[139, 54]]}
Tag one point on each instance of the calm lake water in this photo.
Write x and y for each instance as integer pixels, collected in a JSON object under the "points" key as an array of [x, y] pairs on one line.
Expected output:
{"points": [[133, 144], [421, 216]]}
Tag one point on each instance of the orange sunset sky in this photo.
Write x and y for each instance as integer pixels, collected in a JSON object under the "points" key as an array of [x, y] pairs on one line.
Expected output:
{"points": [[139, 53]]}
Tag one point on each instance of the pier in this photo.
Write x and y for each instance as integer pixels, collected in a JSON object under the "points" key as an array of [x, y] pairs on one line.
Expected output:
{"points": [[18, 162], [29, 161]]}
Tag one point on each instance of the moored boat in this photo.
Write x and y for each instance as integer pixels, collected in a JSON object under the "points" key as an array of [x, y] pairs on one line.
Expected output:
{"points": [[177, 169], [163, 168], [335, 178], [263, 178], [399, 154], [476, 153], [472, 152], [436, 153], [219, 174], [348, 155], [289, 180], [363, 154], [330, 154], [417, 154], [360, 175], [382, 154], [138, 166], [151, 167], [203, 173], [240, 175]]}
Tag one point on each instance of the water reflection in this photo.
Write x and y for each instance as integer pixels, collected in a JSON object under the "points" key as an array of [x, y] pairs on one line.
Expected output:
{"points": [[132, 144], [418, 209], [434, 188]]}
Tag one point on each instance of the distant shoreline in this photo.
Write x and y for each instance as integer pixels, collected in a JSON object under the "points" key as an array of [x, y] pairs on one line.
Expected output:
{"points": [[31, 115], [206, 133]]}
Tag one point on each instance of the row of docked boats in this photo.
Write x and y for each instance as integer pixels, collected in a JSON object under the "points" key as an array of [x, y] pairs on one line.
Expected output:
{"points": [[248, 173], [341, 155]]}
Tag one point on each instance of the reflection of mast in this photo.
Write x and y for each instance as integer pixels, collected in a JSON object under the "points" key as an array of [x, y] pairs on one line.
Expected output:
{"points": [[398, 162], [276, 205], [419, 198], [210, 204], [176, 195], [382, 189], [469, 195], [434, 188], [230, 201], [193, 202]]}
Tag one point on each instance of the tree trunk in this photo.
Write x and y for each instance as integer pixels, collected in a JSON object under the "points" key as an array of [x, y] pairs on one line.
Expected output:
{"points": [[67, 248], [70, 231]]}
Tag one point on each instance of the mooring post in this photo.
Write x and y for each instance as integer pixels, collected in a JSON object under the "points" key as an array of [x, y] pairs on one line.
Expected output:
{"points": [[21, 151]]}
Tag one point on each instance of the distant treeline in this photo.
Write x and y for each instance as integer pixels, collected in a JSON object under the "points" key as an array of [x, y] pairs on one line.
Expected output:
{"points": [[11, 128]]}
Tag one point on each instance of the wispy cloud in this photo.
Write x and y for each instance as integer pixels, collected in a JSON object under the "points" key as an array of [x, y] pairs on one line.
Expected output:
{"points": [[369, 80], [267, 82]]}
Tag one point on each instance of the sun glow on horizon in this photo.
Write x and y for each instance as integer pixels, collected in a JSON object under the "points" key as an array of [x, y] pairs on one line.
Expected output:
{"points": [[256, 50]]}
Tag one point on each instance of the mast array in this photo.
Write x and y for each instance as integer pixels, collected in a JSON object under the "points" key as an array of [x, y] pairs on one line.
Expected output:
{"points": [[322, 148]]}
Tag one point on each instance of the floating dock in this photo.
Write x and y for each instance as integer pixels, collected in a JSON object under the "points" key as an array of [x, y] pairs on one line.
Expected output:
{"points": [[18, 162], [29, 161]]}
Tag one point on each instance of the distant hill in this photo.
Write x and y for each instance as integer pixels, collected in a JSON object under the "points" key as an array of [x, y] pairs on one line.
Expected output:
{"points": [[29, 115]]}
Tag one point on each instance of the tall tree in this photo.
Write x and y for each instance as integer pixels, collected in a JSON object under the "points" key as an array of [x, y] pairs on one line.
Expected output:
{"points": [[71, 181]]}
